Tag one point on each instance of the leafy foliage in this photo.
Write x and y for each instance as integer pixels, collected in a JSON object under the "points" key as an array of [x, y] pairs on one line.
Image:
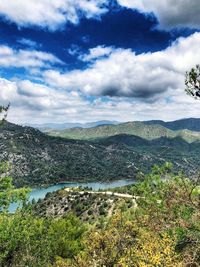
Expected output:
{"points": [[192, 82], [26, 240], [3, 113], [162, 230], [9, 194]]}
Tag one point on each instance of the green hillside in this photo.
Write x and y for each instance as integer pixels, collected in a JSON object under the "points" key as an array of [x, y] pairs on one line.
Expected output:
{"points": [[38, 159], [148, 132], [192, 124]]}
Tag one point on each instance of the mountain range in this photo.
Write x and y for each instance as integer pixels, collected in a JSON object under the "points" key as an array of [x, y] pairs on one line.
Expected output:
{"points": [[38, 159], [146, 130], [192, 124]]}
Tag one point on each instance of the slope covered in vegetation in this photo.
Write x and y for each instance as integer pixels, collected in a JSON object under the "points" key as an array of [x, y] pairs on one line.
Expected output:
{"points": [[192, 124], [38, 159], [163, 229]]}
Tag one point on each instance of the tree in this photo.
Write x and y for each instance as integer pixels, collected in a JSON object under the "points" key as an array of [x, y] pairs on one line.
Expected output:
{"points": [[28, 240], [3, 113], [192, 82], [8, 193]]}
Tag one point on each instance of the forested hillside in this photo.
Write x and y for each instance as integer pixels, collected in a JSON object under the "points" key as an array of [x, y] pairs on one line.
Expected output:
{"points": [[38, 159], [192, 124]]}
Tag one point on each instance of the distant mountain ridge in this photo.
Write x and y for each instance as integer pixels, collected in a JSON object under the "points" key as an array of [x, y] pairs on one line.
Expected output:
{"points": [[192, 124], [146, 130], [61, 126]]}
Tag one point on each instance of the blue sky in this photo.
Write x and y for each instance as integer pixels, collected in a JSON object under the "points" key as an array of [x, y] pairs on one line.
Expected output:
{"points": [[81, 60]]}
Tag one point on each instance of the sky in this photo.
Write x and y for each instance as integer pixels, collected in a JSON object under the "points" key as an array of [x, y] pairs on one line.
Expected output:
{"points": [[90, 60]]}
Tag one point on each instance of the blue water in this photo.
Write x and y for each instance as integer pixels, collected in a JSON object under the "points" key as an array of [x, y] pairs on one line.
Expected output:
{"points": [[40, 193]]}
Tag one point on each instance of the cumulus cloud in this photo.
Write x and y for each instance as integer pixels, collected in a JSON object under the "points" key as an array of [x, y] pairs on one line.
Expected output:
{"points": [[96, 52], [170, 13], [50, 13], [36, 103], [125, 74], [25, 58]]}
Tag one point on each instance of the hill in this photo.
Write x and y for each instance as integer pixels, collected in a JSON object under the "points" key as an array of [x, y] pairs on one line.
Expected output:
{"points": [[192, 124], [38, 159], [140, 129], [86, 204]]}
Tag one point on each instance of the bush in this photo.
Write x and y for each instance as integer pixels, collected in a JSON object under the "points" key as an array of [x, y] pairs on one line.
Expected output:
{"points": [[26, 240]]}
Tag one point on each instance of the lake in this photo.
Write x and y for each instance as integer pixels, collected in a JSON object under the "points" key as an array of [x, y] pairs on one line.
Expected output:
{"points": [[40, 193]]}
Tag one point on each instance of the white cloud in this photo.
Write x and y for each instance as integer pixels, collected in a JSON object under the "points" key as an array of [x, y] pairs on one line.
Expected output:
{"points": [[96, 53], [36, 103], [143, 87], [170, 13], [124, 73], [25, 58], [50, 13]]}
